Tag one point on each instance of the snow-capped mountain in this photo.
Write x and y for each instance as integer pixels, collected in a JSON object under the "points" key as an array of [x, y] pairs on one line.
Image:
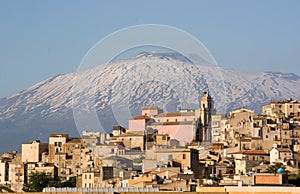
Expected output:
{"points": [[113, 93]]}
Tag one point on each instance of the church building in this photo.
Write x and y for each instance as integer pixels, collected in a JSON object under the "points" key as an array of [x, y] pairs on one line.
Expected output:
{"points": [[185, 126]]}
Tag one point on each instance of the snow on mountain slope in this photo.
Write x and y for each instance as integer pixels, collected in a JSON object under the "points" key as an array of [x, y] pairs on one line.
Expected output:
{"points": [[119, 90]]}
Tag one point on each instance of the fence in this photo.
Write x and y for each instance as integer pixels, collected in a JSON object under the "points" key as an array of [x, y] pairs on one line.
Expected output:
{"points": [[121, 189]]}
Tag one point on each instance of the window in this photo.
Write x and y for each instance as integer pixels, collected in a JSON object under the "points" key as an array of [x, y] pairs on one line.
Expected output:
{"points": [[267, 136], [164, 137], [167, 120], [291, 106], [183, 156], [90, 176]]}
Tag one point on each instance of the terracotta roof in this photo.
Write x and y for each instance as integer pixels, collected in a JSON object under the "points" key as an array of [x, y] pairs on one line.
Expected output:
{"points": [[176, 114], [193, 144], [142, 117], [218, 143], [251, 152], [172, 123]]}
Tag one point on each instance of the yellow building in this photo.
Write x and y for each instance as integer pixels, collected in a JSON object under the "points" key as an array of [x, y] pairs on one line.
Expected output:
{"points": [[162, 140], [132, 140]]}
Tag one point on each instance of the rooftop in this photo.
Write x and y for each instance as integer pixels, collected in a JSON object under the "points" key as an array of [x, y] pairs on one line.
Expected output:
{"points": [[285, 101], [115, 144], [142, 117], [283, 149], [153, 107], [251, 152], [133, 133], [59, 135], [35, 141], [74, 140], [176, 114], [172, 123]]}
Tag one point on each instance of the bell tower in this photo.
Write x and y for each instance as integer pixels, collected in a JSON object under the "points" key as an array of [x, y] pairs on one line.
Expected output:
{"points": [[206, 110]]}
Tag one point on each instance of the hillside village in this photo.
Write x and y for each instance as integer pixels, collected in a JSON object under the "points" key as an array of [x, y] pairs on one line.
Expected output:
{"points": [[171, 150]]}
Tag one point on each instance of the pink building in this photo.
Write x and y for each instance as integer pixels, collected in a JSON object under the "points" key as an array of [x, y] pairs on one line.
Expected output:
{"points": [[185, 125]]}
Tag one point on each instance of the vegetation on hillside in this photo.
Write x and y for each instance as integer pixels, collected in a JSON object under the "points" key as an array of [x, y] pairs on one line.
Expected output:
{"points": [[38, 181]]}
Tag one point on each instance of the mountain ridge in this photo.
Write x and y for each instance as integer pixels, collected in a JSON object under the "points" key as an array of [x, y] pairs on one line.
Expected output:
{"points": [[121, 89]]}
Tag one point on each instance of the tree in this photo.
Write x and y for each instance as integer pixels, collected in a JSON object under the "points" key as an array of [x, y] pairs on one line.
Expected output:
{"points": [[69, 183], [294, 179], [37, 181], [274, 168]]}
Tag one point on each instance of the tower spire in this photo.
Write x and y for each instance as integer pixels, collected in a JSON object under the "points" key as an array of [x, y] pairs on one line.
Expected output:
{"points": [[206, 110]]}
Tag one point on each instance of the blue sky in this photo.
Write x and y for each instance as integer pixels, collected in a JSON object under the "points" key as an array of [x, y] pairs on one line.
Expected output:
{"points": [[40, 39]]}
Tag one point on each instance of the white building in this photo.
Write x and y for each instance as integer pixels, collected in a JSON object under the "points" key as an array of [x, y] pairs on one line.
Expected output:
{"points": [[3, 172], [280, 154], [218, 125]]}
